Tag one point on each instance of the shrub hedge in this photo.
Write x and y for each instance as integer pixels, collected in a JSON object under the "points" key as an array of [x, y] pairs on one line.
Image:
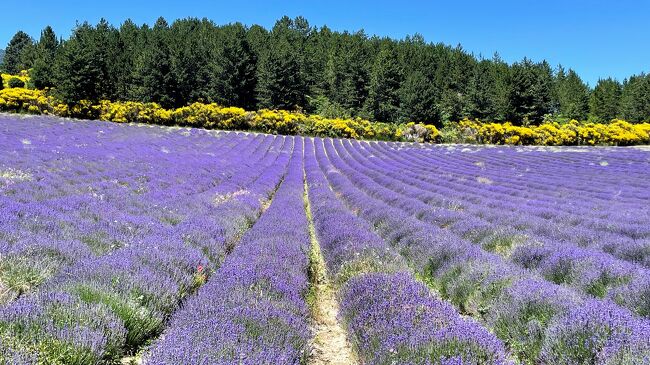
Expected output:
{"points": [[213, 116]]}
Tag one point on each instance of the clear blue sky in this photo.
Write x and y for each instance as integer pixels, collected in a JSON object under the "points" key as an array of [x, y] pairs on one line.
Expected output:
{"points": [[596, 38]]}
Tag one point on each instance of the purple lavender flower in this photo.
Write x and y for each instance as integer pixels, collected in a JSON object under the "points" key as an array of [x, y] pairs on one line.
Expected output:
{"points": [[588, 333], [394, 319], [523, 312]]}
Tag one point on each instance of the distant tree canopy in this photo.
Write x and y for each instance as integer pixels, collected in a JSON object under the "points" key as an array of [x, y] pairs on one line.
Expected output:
{"points": [[605, 100], [42, 75], [18, 54], [299, 67], [531, 91]]}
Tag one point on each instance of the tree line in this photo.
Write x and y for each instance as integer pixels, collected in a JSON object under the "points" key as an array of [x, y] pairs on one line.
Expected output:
{"points": [[296, 66]]}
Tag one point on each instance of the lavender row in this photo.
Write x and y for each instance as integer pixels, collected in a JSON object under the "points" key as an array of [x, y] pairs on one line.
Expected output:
{"points": [[535, 169], [568, 206], [495, 201], [140, 286], [253, 311], [482, 284], [610, 232], [382, 208], [104, 307], [502, 181], [618, 230], [552, 165], [52, 215], [39, 253], [587, 270], [390, 316]]}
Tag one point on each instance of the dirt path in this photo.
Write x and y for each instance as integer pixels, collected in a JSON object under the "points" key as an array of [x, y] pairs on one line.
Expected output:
{"points": [[132, 360], [330, 345]]}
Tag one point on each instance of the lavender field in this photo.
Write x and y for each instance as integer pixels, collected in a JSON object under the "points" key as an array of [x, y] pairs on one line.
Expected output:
{"points": [[157, 245]]}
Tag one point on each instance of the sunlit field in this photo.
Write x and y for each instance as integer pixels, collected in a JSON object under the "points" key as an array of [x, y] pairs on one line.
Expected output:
{"points": [[138, 243]]}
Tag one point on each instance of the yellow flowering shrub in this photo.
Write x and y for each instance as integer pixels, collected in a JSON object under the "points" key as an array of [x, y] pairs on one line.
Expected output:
{"points": [[547, 135], [618, 132], [356, 128], [61, 110], [525, 135], [566, 134], [84, 109], [26, 101], [493, 133], [22, 76], [433, 131], [622, 133], [387, 131], [211, 116], [133, 112], [319, 126], [277, 121]]}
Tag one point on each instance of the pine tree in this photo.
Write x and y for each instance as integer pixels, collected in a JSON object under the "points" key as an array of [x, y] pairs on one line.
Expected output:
{"points": [[130, 43], [418, 99], [635, 100], [280, 85], [419, 94], [481, 94], [192, 45], [347, 72], [17, 53], [531, 91], [605, 100], [152, 75], [385, 82], [258, 39], [84, 64], [318, 48], [235, 67], [42, 74], [502, 89], [455, 74], [303, 34], [572, 95], [280, 78]]}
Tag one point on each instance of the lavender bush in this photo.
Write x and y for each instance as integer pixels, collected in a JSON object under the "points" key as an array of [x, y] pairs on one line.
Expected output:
{"points": [[580, 336], [397, 320]]}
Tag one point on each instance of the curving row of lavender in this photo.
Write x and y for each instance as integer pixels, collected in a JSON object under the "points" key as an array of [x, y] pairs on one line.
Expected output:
{"points": [[391, 317], [72, 192], [253, 311], [532, 243], [191, 247], [103, 306], [564, 253], [484, 284]]}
